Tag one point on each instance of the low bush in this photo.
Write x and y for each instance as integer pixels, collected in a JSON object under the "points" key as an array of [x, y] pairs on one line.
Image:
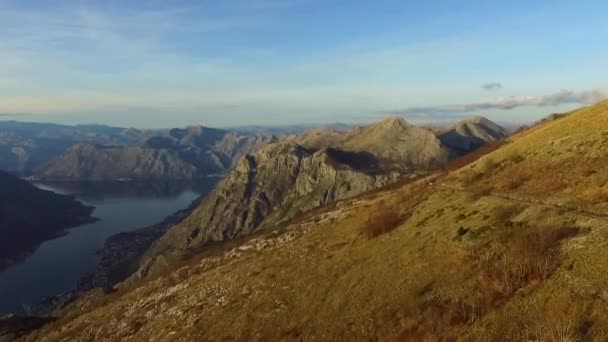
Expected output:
{"points": [[381, 221], [525, 255], [470, 177], [502, 213], [530, 255], [512, 180], [595, 195], [479, 191], [515, 158], [488, 166]]}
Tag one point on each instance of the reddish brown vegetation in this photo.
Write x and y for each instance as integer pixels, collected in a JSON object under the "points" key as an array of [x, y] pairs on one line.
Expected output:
{"points": [[503, 213], [595, 195], [512, 180], [528, 255], [381, 221]]}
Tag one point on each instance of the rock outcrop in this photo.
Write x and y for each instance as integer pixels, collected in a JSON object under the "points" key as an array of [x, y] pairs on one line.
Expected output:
{"points": [[266, 189]]}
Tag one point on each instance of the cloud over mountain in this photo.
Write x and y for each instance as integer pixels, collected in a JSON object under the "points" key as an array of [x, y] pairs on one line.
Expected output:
{"points": [[509, 103]]}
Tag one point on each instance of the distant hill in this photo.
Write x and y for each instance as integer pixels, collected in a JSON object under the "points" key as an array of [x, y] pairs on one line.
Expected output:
{"points": [[470, 134], [24, 146], [88, 162], [179, 154], [29, 216]]}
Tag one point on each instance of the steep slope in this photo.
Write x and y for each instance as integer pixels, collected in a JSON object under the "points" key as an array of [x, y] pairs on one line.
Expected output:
{"points": [[266, 189], [510, 248], [85, 162], [469, 134], [285, 179], [29, 216]]}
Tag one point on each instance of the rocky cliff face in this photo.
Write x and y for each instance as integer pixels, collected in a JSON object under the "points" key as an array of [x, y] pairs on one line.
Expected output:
{"points": [[266, 189], [29, 216]]}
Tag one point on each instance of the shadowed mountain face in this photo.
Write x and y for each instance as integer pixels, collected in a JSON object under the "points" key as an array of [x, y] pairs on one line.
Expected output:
{"points": [[29, 216], [470, 134], [181, 154]]}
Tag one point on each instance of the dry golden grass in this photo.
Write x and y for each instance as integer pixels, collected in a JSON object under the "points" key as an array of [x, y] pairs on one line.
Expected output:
{"points": [[474, 156], [594, 195]]}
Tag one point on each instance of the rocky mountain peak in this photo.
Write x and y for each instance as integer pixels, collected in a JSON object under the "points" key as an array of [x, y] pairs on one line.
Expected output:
{"points": [[393, 122], [471, 133]]}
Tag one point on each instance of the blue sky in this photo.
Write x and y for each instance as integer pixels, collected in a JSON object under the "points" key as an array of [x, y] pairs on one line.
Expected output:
{"points": [[242, 62]]}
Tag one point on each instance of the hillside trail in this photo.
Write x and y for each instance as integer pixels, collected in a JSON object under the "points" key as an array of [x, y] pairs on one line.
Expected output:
{"points": [[592, 214]]}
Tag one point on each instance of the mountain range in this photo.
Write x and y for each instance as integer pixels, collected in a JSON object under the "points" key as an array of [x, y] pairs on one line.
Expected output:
{"points": [[180, 154], [302, 172], [25, 147], [193, 152], [273, 183], [506, 247]]}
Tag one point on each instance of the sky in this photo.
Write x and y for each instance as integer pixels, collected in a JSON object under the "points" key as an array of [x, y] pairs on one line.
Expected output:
{"points": [[154, 64]]}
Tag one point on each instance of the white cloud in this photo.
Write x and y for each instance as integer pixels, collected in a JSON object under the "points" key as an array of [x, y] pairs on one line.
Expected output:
{"points": [[509, 103]]}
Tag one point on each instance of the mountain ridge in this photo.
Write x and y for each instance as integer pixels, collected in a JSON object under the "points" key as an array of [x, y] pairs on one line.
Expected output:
{"points": [[300, 173], [181, 154], [487, 252]]}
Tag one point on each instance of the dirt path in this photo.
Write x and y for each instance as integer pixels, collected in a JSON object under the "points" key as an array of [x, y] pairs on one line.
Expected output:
{"points": [[581, 212]]}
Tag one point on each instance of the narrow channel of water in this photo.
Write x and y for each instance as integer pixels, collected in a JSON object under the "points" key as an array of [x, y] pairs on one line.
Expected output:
{"points": [[57, 264]]}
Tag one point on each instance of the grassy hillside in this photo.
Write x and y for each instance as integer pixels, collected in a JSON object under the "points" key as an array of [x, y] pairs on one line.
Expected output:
{"points": [[509, 248]]}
